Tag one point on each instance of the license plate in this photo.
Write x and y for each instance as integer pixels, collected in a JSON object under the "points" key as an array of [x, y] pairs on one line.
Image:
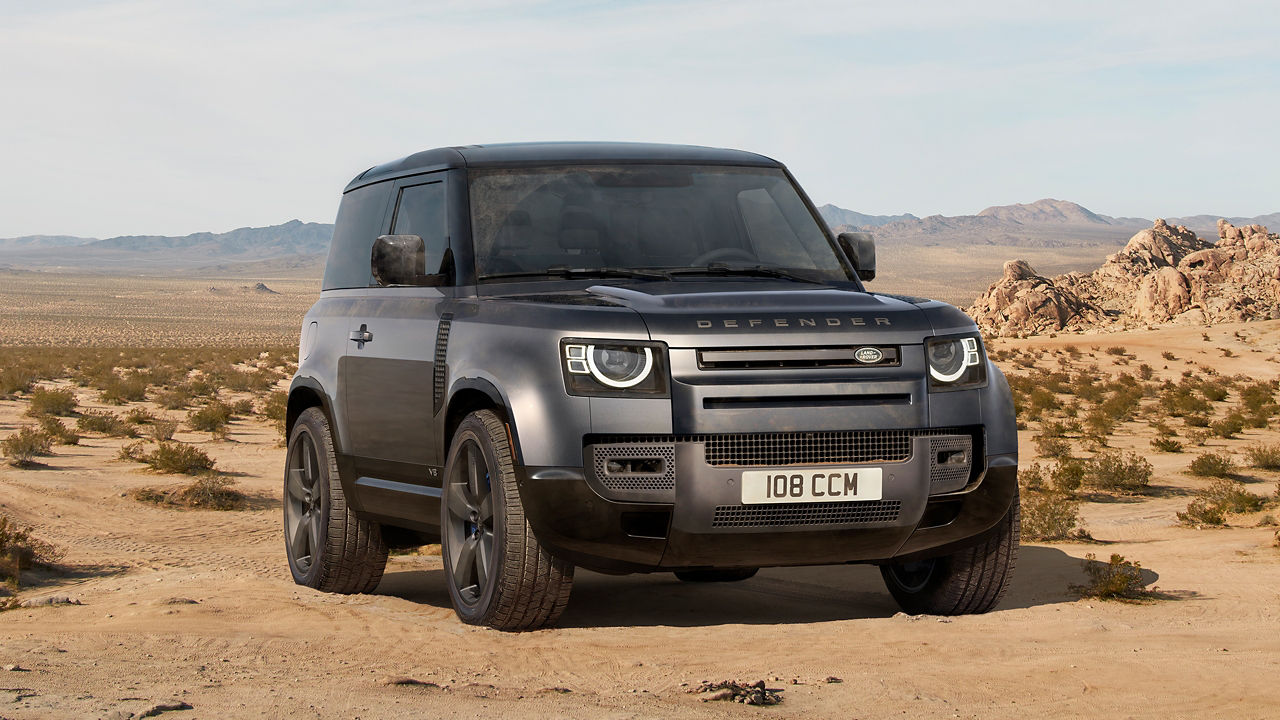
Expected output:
{"points": [[812, 485]]}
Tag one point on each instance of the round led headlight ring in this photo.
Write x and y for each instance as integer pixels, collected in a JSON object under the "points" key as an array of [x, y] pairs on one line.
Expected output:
{"points": [[619, 367]]}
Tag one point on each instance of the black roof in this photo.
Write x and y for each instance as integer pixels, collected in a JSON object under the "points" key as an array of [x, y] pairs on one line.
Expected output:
{"points": [[556, 153]]}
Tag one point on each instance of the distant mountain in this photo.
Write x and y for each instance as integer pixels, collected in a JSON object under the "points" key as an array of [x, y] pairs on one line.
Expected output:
{"points": [[1207, 225], [1056, 212], [839, 216], [292, 244]]}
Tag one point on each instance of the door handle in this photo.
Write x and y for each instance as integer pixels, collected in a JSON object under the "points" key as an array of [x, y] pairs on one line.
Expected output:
{"points": [[361, 336]]}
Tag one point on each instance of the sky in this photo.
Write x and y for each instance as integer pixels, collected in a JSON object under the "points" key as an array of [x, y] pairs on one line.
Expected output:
{"points": [[169, 117]]}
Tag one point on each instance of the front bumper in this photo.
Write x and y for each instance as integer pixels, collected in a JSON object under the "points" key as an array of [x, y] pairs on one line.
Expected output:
{"points": [[687, 511]]}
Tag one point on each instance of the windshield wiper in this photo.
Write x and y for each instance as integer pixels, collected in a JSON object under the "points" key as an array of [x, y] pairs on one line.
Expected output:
{"points": [[564, 271], [748, 271]]}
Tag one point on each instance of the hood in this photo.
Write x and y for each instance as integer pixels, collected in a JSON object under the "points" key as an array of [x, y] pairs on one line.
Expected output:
{"points": [[756, 314]]}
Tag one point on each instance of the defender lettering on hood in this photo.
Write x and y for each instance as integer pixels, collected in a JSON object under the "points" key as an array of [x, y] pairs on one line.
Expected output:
{"points": [[803, 322]]}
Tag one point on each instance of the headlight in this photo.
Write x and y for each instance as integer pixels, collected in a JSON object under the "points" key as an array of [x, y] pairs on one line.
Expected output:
{"points": [[614, 368], [955, 362]]}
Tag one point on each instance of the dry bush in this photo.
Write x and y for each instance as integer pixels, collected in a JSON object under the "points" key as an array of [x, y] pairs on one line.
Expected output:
{"points": [[1168, 355], [1047, 514], [1212, 465], [1117, 351], [52, 402], [208, 492], [162, 429], [105, 422], [174, 398], [1166, 444], [1228, 427], [1050, 446], [1127, 473], [1212, 504], [241, 407], [58, 432], [139, 416], [275, 408], [173, 457], [1196, 420], [19, 551], [213, 417], [1118, 579], [1069, 474], [1266, 457], [1197, 437], [118, 390], [23, 446]]}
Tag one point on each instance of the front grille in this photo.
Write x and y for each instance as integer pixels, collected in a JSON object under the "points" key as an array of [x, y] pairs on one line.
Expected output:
{"points": [[854, 447], [801, 514], [873, 356]]}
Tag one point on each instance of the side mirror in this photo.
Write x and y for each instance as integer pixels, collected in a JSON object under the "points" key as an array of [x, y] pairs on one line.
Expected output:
{"points": [[402, 260], [860, 248]]}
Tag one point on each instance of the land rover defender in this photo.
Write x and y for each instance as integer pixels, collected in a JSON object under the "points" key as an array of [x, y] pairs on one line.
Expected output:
{"points": [[633, 358]]}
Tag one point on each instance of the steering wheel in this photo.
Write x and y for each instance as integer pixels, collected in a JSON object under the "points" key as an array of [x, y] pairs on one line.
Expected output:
{"points": [[719, 253]]}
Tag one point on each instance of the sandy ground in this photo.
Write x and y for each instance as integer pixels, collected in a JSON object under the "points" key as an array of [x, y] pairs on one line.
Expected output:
{"points": [[198, 607]]}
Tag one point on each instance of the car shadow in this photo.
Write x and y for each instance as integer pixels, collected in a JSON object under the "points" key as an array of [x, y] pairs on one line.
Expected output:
{"points": [[774, 596]]}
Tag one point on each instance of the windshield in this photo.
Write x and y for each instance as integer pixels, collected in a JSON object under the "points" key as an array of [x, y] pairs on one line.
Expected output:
{"points": [[678, 218]]}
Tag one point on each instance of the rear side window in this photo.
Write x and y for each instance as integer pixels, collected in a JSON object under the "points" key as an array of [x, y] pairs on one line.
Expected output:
{"points": [[421, 211], [359, 223]]}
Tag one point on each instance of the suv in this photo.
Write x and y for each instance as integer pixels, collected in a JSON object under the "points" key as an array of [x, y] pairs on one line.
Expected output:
{"points": [[633, 358]]}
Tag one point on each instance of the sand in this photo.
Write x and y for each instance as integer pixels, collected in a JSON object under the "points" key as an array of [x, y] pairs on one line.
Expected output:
{"points": [[198, 607]]}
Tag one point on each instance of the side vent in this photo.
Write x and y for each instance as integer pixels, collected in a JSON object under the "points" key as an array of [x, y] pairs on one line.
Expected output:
{"points": [[440, 372]]}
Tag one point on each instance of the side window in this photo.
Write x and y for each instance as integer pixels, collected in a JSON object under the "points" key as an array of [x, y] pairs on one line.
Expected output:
{"points": [[359, 223], [772, 238], [420, 210]]}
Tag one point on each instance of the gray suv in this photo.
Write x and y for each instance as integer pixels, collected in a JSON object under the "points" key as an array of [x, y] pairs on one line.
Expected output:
{"points": [[633, 358]]}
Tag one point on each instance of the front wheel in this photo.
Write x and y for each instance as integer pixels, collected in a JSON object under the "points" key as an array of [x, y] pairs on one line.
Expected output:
{"points": [[498, 574], [970, 581]]}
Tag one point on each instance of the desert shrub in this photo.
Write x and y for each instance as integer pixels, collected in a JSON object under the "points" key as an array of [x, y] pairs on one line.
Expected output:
{"points": [[1118, 579], [23, 446], [51, 402], [1052, 447], [1257, 396], [213, 417], [1115, 472], [275, 408], [133, 451], [208, 492], [58, 432], [162, 429], [1053, 428], [1116, 350], [1040, 400], [1168, 355], [105, 422], [1200, 512], [1196, 420], [241, 407], [1146, 372], [1266, 457], [139, 416], [1121, 403], [1228, 427], [1069, 474], [1211, 505], [1050, 515], [1213, 465], [1178, 400], [19, 551], [1214, 391], [1166, 444], [174, 398], [118, 390], [1197, 437], [176, 457]]}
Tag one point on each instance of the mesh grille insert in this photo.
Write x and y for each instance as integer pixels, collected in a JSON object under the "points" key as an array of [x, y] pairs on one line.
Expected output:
{"points": [[666, 452], [800, 514]]}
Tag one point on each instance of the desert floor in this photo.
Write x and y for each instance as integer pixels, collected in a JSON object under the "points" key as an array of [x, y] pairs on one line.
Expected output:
{"points": [[198, 606]]}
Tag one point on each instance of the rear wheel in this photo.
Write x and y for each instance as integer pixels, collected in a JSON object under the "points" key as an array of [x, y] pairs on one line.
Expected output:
{"points": [[717, 574], [973, 580], [328, 547], [498, 574]]}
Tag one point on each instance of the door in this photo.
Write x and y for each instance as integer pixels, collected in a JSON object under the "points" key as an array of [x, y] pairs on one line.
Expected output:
{"points": [[387, 372]]}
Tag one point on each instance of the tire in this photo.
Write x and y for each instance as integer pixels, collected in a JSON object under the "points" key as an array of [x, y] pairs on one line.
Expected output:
{"points": [[717, 575], [328, 547], [970, 581], [498, 575]]}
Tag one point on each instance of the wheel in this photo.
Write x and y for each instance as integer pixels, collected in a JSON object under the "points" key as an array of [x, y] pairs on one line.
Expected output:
{"points": [[970, 581], [498, 574], [329, 548], [717, 574]]}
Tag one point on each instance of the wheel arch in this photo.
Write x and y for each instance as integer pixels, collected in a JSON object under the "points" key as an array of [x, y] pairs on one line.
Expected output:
{"points": [[306, 392], [468, 396]]}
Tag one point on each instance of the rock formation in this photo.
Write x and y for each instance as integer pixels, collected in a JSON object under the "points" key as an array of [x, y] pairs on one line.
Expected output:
{"points": [[1164, 274]]}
